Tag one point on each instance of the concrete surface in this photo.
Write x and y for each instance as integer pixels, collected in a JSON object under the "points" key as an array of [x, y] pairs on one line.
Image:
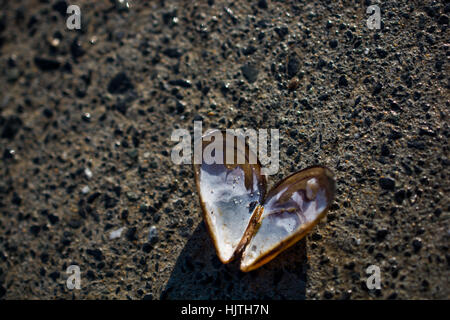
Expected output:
{"points": [[96, 107]]}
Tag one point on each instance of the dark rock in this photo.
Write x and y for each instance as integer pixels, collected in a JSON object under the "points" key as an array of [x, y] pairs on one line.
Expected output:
{"points": [[381, 53], [293, 66], [426, 132], [16, 199], [86, 117], [110, 202], [93, 197], [34, 230], [417, 244], [387, 183], [333, 43], [395, 135], [385, 150], [8, 154], [11, 126], [377, 89], [60, 6], [443, 19], [282, 31], [96, 253], [321, 63], [262, 4], [131, 234], [381, 234], [250, 72], [180, 83], [44, 257], [48, 113], [75, 223], [293, 133], [76, 49], [133, 154], [343, 81], [54, 275], [66, 241], [169, 16], [399, 196], [90, 274], [324, 97], [46, 64], [350, 265], [143, 208], [316, 236], [438, 212], [291, 150], [416, 144], [249, 50], [121, 106], [173, 52], [120, 84], [147, 247], [349, 35], [148, 296], [438, 65]]}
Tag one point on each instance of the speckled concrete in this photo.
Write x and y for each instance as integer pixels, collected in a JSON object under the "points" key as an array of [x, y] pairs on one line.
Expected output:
{"points": [[372, 105]]}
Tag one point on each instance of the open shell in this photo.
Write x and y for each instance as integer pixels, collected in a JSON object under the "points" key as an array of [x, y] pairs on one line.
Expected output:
{"points": [[229, 194], [292, 208], [241, 218]]}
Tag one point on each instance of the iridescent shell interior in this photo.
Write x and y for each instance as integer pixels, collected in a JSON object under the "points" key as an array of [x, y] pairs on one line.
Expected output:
{"points": [[241, 219], [229, 195], [291, 209]]}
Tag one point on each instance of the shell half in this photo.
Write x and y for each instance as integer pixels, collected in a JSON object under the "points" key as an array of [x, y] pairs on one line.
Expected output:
{"points": [[229, 193], [290, 209]]}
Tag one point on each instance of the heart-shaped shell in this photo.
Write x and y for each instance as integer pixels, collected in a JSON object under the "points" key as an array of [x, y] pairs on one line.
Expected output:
{"points": [[241, 218]]}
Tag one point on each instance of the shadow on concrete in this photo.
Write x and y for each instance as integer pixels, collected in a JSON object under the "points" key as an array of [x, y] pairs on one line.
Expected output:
{"points": [[199, 274]]}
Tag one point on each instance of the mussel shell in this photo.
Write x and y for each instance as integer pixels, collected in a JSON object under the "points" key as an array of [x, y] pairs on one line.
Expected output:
{"points": [[290, 210], [230, 195]]}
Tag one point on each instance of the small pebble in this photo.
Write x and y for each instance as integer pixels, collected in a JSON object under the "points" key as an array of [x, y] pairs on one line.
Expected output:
{"points": [[387, 183], [417, 244], [250, 72], [116, 233], [153, 235], [88, 173]]}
